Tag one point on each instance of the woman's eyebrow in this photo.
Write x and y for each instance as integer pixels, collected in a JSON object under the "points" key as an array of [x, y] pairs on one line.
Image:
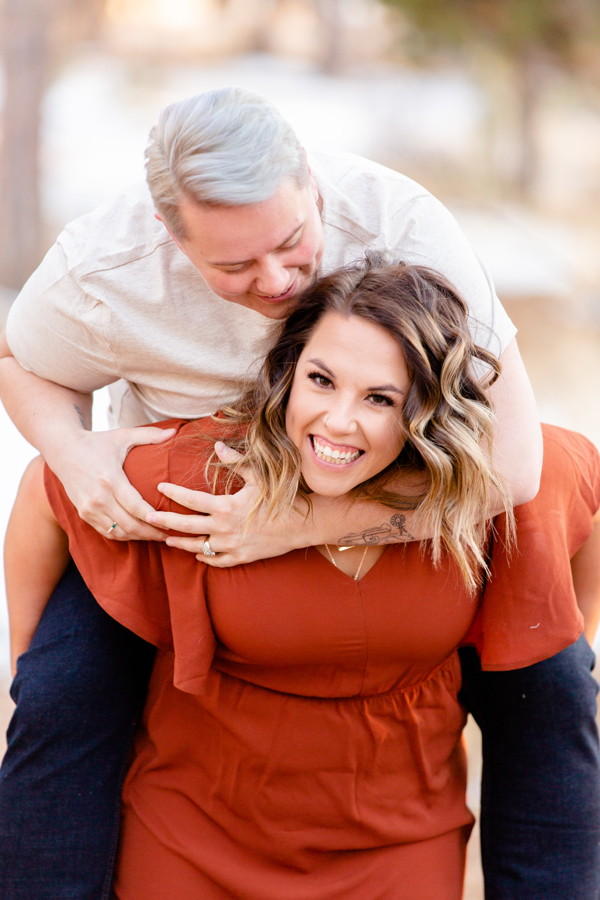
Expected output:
{"points": [[385, 387], [372, 390], [244, 261], [321, 365]]}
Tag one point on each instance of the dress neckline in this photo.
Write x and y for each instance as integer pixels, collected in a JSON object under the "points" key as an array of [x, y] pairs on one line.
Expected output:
{"points": [[344, 575]]}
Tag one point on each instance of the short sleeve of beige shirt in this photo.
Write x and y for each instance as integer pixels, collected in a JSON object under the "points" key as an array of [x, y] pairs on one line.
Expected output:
{"points": [[115, 298]]}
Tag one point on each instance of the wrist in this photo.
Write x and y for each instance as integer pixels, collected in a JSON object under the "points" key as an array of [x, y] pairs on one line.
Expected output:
{"points": [[319, 524], [60, 448]]}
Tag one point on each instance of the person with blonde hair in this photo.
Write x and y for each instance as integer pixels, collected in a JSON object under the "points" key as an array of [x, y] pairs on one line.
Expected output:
{"points": [[302, 733]]}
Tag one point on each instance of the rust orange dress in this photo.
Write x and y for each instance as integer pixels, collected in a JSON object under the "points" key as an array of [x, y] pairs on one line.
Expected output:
{"points": [[302, 734]]}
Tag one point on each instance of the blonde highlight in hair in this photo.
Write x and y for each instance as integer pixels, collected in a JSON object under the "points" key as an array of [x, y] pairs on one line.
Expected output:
{"points": [[447, 416]]}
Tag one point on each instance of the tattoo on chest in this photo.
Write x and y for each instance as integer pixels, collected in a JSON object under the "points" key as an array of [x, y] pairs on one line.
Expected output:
{"points": [[392, 532]]}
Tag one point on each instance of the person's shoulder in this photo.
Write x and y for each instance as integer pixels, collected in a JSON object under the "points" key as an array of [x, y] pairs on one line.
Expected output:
{"points": [[571, 463], [338, 169], [182, 460], [370, 205], [561, 444], [121, 230]]}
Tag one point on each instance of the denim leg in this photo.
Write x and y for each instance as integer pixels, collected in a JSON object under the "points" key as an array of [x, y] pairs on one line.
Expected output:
{"points": [[540, 804], [79, 692]]}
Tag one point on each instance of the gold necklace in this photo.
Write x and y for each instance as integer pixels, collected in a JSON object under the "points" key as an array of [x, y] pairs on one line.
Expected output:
{"points": [[347, 548]]}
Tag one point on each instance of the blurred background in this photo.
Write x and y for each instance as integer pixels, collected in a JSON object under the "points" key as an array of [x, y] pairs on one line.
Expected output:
{"points": [[493, 105]]}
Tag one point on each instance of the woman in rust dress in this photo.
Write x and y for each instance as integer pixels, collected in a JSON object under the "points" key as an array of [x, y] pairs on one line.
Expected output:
{"points": [[302, 734]]}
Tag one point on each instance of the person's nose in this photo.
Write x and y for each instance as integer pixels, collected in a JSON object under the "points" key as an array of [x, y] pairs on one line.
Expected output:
{"points": [[272, 278], [341, 418]]}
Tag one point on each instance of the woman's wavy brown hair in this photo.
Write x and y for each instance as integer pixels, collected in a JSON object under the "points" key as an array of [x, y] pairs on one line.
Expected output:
{"points": [[447, 416]]}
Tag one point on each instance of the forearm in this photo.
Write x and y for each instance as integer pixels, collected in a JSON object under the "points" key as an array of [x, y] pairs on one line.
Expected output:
{"points": [[337, 522], [36, 555], [585, 568], [518, 448], [45, 413]]}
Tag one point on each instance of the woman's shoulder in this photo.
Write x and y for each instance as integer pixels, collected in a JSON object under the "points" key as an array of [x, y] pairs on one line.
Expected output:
{"points": [[182, 460], [571, 462]]}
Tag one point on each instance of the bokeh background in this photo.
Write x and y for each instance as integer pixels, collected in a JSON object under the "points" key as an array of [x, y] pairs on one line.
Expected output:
{"points": [[493, 105]]}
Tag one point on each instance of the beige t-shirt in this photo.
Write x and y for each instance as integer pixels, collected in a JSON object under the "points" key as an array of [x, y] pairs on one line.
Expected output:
{"points": [[115, 298]]}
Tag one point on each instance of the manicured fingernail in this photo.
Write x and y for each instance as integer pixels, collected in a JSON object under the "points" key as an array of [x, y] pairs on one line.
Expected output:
{"points": [[150, 518], [169, 542]]}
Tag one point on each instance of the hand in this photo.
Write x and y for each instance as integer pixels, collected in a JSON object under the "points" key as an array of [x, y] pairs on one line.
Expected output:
{"points": [[91, 469], [223, 519]]}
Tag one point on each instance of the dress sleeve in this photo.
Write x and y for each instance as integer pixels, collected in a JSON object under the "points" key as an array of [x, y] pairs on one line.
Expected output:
{"points": [[156, 591], [529, 609]]}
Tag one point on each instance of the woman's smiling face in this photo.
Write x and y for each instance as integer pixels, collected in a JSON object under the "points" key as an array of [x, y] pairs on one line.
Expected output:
{"points": [[344, 409]]}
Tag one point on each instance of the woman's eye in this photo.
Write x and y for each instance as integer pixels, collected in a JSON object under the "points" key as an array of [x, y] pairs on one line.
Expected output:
{"points": [[321, 380], [381, 400]]}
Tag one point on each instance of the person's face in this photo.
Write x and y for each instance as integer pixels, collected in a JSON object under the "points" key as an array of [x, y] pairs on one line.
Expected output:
{"points": [[261, 255], [344, 408]]}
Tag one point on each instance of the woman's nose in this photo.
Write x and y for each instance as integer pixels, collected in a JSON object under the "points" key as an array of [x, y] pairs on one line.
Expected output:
{"points": [[340, 419]]}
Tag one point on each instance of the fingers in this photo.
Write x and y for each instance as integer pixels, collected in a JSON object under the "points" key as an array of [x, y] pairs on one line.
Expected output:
{"points": [[128, 528], [101, 515], [226, 454], [199, 501], [223, 516], [195, 545], [229, 456], [149, 435], [91, 470], [220, 561], [129, 510], [186, 523], [191, 544]]}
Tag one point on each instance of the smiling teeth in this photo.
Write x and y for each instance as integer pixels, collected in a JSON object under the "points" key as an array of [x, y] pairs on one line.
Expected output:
{"points": [[339, 457]]}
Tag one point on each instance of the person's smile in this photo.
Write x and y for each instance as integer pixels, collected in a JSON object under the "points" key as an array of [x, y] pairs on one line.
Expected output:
{"points": [[344, 412], [333, 454]]}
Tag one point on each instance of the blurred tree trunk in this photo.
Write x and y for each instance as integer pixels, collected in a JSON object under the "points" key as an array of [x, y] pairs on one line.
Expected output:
{"points": [[332, 22], [25, 50], [261, 36], [530, 80], [532, 34], [32, 33]]}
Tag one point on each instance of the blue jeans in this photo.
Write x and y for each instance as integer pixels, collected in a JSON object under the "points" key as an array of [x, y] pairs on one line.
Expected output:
{"points": [[79, 691], [540, 786]]}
